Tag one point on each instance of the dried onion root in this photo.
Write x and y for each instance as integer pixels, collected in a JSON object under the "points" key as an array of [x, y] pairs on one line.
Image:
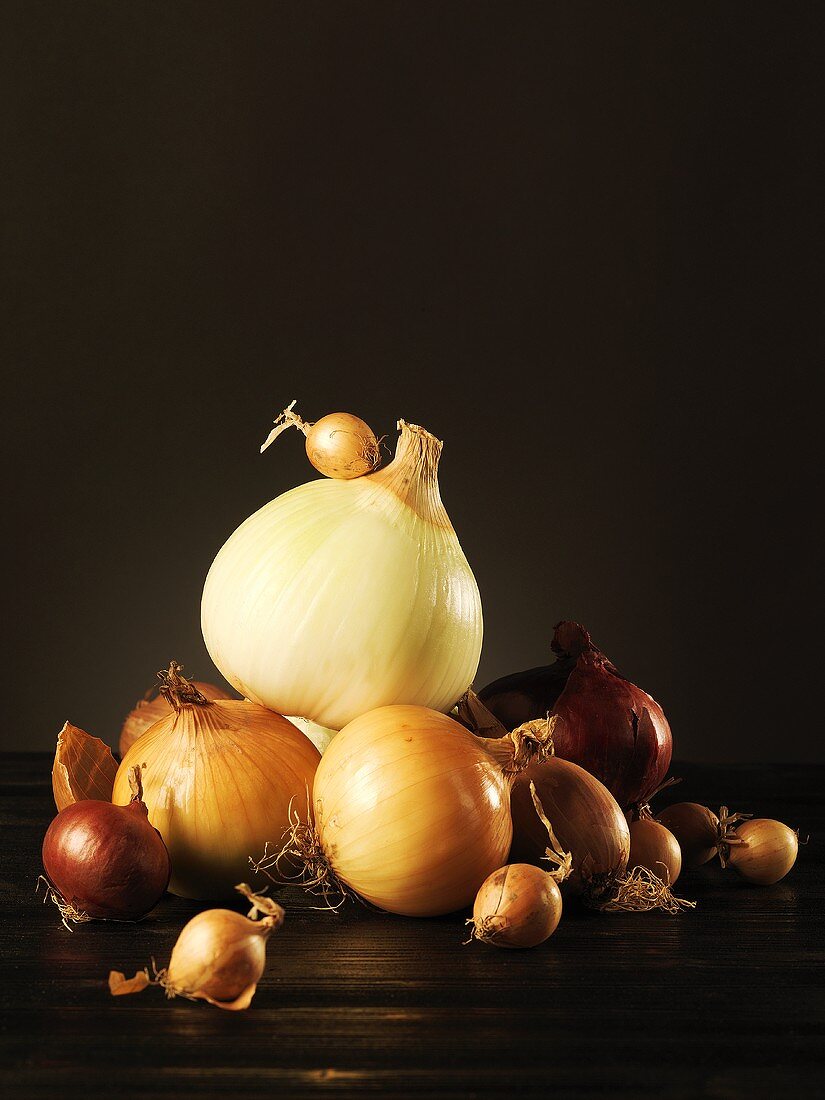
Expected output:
{"points": [[219, 956]]}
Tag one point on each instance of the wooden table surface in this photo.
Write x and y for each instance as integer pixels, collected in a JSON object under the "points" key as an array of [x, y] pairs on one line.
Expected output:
{"points": [[725, 1001]]}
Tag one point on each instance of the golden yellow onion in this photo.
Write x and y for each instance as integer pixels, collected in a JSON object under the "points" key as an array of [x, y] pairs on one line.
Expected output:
{"points": [[218, 778], [345, 595], [412, 812]]}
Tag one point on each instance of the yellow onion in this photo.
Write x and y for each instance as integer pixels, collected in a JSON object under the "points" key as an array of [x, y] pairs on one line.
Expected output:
{"points": [[219, 957], [655, 847], [765, 852], [153, 707], [218, 780], [520, 905], [412, 812], [346, 595]]}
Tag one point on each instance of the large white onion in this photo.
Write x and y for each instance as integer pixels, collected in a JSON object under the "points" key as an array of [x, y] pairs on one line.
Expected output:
{"points": [[342, 596]]}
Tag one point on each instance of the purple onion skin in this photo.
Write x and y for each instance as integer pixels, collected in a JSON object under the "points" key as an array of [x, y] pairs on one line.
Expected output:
{"points": [[608, 726], [108, 861]]}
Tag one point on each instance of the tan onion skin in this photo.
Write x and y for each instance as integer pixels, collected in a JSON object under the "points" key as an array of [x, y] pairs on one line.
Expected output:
{"points": [[218, 781], [587, 821], [218, 955], [517, 906], [148, 711], [341, 445], [696, 829], [768, 853], [655, 847], [411, 811]]}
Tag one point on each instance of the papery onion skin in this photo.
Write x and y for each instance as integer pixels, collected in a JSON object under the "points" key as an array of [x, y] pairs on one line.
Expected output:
{"points": [[518, 905], [766, 853], [696, 829], [609, 726], [218, 781], [342, 596], [106, 860], [412, 812], [148, 711], [655, 847], [84, 768], [586, 818]]}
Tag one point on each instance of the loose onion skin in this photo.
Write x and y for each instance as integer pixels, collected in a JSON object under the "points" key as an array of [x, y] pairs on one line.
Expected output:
{"points": [[586, 818], [518, 905], [766, 852], [655, 847], [218, 780], [696, 829], [106, 862], [609, 726], [148, 711]]}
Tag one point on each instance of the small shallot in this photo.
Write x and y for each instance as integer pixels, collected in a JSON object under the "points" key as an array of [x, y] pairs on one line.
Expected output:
{"points": [[520, 905], [339, 445], [219, 956], [766, 851]]}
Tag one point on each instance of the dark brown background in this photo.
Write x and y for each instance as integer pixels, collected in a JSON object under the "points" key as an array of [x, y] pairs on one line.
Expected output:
{"points": [[578, 242]]}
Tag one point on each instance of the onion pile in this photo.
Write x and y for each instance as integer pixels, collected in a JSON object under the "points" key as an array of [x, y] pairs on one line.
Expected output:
{"points": [[349, 603]]}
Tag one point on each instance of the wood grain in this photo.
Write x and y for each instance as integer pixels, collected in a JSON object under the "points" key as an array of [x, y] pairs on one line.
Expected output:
{"points": [[726, 1001]]}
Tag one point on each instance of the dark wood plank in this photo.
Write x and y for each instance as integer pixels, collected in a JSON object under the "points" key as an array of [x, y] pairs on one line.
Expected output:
{"points": [[726, 1001]]}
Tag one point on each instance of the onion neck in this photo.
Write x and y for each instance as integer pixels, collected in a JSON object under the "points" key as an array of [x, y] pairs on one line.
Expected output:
{"points": [[529, 744], [177, 690], [412, 476]]}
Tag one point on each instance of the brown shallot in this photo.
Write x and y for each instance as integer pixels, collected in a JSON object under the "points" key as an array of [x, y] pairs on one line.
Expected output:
{"points": [[219, 956]]}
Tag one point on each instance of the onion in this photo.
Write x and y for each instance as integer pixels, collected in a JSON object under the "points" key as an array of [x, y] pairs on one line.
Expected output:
{"points": [[517, 906], [520, 905], [105, 862], [152, 708], [765, 853], [610, 727], [218, 781], [219, 957], [698, 830], [655, 847], [343, 596], [338, 445], [412, 812]]}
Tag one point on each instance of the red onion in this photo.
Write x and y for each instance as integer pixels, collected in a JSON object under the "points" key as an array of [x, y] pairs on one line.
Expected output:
{"points": [[106, 862], [607, 725]]}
